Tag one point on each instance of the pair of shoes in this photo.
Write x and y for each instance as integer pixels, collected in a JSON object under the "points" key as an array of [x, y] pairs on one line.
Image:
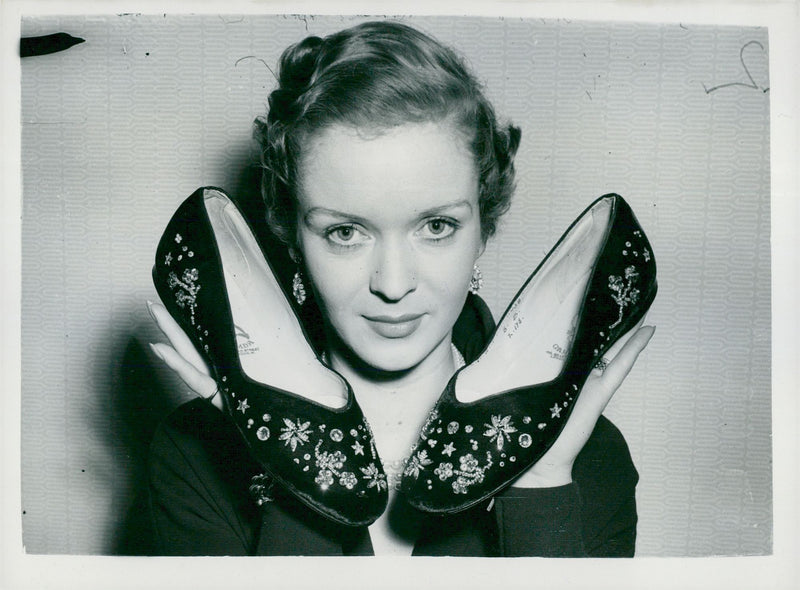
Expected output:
{"points": [[298, 418], [490, 425]]}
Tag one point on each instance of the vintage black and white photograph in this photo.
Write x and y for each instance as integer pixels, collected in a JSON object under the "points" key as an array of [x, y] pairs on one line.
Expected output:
{"points": [[396, 285]]}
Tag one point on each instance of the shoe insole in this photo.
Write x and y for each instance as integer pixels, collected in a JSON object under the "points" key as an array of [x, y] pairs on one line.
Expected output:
{"points": [[272, 347], [534, 338]]}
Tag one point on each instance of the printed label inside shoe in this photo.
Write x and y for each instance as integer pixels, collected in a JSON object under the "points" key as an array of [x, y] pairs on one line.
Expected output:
{"points": [[244, 343], [558, 350]]}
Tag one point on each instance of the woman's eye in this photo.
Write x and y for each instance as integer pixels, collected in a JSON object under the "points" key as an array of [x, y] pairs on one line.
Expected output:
{"points": [[438, 229], [345, 235]]}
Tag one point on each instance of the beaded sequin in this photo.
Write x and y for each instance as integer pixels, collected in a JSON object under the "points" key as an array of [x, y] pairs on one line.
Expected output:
{"points": [[502, 434]]}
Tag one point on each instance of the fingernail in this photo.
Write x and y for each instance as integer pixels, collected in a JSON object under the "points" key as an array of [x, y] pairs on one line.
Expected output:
{"points": [[156, 351], [150, 310], [652, 332]]}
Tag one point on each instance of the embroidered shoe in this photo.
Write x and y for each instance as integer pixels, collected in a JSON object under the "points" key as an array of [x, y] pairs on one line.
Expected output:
{"points": [[501, 413], [299, 419]]}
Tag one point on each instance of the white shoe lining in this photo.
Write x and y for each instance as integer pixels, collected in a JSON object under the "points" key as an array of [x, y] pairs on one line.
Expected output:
{"points": [[272, 348]]}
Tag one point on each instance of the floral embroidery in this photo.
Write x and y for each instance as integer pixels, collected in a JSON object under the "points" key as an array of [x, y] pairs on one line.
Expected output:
{"points": [[330, 464], [624, 293], [416, 463], [444, 471], [324, 479], [469, 472], [374, 477], [348, 480], [499, 430], [295, 434], [187, 288]]}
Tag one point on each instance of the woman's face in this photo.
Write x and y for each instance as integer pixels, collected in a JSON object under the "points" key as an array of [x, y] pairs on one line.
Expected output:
{"points": [[389, 229]]}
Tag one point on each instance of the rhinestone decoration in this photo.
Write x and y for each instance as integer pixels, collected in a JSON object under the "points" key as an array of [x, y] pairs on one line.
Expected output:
{"points": [[320, 452], [624, 292], [505, 437]]}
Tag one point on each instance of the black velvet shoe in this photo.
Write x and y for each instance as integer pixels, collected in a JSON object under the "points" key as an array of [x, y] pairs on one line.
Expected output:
{"points": [[501, 413], [216, 282]]}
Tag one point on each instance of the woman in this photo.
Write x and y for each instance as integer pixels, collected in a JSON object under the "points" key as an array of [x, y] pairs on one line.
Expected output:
{"points": [[385, 173]]}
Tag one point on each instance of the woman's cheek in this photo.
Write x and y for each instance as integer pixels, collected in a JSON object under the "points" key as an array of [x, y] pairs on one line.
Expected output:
{"points": [[336, 282]]}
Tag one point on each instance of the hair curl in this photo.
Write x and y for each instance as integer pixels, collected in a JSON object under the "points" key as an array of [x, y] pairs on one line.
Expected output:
{"points": [[377, 75]]}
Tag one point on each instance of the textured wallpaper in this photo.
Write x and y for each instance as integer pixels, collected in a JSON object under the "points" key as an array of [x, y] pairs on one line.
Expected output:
{"points": [[119, 129]]}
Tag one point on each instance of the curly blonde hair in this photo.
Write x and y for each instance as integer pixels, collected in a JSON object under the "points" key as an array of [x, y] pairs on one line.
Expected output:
{"points": [[377, 75]]}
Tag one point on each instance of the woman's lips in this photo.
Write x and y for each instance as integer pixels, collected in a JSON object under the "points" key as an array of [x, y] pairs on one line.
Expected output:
{"points": [[394, 326]]}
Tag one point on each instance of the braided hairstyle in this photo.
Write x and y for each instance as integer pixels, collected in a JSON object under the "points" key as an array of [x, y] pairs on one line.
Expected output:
{"points": [[375, 76]]}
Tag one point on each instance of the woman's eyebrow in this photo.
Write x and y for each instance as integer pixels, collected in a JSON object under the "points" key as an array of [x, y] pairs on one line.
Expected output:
{"points": [[325, 211], [448, 207], [432, 212]]}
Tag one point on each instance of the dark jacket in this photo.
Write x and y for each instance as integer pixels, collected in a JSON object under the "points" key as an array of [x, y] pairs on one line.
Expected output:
{"points": [[199, 502]]}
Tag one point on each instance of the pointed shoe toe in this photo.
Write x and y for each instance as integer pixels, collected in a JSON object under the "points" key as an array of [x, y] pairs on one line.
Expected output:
{"points": [[217, 284], [502, 412]]}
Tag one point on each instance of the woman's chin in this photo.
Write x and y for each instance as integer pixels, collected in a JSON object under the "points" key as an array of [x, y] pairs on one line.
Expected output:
{"points": [[393, 357]]}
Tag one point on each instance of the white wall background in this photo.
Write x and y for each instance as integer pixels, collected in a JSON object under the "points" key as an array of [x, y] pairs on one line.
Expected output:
{"points": [[118, 130]]}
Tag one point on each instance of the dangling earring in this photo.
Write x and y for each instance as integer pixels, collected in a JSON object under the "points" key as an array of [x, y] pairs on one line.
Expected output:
{"points": [[298, 288], [476, 282]]}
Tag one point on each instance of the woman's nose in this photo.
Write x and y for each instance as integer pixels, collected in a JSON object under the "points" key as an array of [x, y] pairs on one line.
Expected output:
{"points": [[394, 273]]}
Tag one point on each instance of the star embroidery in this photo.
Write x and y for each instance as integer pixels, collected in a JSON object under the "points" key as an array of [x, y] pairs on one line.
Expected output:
{"points": [[297, 434], [358, 448], [448, 449], [168, 258], [556, 409], [243, 405], [499, 431]]}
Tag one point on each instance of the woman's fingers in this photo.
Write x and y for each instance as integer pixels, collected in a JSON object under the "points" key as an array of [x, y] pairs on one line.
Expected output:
{"points": [[182, 357], [604, 385], [177, 337], [201, 384], [555, 466]]}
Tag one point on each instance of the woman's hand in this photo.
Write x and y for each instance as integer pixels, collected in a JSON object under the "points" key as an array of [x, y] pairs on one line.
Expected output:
{"points": [[555, 466], [181, 356]]}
